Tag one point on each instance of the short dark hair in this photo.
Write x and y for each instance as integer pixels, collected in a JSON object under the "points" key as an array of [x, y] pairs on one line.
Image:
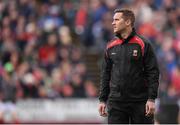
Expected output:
{"points": [[127, 14]]}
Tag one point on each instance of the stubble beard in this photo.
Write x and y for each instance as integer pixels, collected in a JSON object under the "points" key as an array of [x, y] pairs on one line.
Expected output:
{"points": [[119, 32]]}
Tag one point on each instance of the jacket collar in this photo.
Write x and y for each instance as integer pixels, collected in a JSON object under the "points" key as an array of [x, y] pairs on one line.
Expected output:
{"points": [[133, 33]]}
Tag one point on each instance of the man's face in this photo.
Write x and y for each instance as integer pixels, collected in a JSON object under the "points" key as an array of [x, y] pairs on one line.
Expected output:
{"points": [[119, 24]]}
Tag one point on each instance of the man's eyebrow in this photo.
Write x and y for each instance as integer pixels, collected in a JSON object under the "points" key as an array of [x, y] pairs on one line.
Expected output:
{"points": [[115, 18]]}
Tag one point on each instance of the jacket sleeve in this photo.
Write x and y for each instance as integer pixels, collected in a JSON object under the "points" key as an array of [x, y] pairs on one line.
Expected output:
{"points": [[105, 78], [151, 71]]}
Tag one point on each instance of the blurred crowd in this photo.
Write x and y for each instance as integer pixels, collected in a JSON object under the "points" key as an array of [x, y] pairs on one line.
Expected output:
{"points": [[39, 55], [42, 43]]}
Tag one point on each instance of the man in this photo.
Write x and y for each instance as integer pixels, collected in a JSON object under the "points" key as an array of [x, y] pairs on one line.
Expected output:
{"points": [[130, 75]]}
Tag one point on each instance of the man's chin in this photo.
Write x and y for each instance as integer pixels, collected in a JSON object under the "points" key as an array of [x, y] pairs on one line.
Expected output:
{"points": [[118, 34], [115, 32]]}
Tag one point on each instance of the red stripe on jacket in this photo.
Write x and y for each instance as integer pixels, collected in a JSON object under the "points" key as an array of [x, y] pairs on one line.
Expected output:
{"points": [[135, 39], [114, 43]]}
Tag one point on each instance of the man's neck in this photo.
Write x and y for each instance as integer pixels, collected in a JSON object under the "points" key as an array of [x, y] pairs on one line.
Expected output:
{"points": [[126, 33]]}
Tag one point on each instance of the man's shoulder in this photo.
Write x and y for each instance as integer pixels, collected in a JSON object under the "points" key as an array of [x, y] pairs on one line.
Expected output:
{"points": [[114, 42], [144, 39]]}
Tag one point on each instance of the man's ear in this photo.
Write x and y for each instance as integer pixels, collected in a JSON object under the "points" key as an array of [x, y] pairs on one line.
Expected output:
{"points": [[128, 22]]}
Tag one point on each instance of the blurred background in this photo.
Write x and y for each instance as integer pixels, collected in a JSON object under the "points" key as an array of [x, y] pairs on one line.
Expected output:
{"points": [[51, 51]]}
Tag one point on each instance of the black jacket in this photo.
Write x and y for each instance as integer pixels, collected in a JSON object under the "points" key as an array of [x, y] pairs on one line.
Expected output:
{"points": [[129, 70]]}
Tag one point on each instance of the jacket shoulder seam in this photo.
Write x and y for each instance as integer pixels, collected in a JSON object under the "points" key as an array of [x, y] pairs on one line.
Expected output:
{"points": [[113, 43]]}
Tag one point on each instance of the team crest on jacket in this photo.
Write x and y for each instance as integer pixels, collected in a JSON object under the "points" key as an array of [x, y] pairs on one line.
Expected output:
{"points": [[135, 52]]}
